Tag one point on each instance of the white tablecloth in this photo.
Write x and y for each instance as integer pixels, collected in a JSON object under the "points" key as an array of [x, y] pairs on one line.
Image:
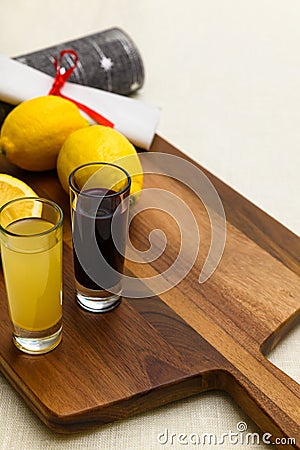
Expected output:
{"points": [[227, 76]]}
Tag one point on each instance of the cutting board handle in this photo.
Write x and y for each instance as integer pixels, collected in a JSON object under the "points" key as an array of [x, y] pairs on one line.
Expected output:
{"points": [[271, 398]]}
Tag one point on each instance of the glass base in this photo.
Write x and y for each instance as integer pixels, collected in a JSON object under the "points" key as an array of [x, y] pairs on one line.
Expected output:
{"points": [[98, 301], [95, 305], [34, 345]]}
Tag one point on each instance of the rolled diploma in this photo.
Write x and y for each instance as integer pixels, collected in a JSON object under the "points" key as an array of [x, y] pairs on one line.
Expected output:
{"points": [[133, 118]]}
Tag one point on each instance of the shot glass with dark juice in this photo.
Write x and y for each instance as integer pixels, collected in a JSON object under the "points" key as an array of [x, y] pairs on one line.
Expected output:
{"points": [[99, 196]]}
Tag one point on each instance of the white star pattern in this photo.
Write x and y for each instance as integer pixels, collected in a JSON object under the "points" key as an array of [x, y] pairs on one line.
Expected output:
{"points": [[106, 63]]}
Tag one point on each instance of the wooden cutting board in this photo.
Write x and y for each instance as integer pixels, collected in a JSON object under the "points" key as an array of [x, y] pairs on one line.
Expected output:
{"points": [[193, 338]]}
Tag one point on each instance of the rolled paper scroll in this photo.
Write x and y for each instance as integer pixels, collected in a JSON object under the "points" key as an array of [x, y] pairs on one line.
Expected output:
{"points": [[133, 118], [109, 60]]}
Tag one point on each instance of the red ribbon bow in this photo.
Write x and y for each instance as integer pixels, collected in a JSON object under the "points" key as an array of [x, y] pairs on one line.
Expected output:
{"points": [[62, 76]]}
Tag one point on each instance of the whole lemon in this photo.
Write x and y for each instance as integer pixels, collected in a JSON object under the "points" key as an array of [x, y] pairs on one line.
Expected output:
{"points": [[102, 144], [34, 131]]}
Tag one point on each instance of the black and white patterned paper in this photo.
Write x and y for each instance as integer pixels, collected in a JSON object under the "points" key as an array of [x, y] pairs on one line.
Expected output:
{"points": [[108, 60]]}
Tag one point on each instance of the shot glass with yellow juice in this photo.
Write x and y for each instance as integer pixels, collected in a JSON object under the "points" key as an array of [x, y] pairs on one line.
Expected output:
{"points": [[31, 249]]}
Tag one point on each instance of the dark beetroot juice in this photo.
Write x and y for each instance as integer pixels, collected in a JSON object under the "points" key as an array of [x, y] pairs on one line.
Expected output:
{"points": [[92, 232]]}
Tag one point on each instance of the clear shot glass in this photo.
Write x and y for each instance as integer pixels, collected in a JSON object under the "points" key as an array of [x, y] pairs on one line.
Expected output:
{"points": [[31, 250], [99, 197]]}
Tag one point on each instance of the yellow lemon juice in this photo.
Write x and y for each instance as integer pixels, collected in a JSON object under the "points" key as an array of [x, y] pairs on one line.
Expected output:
{"points": [[32, 266]]}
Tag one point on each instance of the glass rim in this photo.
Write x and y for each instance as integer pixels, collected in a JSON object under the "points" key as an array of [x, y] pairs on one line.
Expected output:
{"points": [[97, 163], [41, 200]]}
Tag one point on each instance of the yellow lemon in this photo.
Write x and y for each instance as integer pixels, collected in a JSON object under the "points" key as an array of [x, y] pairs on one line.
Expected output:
{"points": [[34, 131], [12, 188], [102, 144]]}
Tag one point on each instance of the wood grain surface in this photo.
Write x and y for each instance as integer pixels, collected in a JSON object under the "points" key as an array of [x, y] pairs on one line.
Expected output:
{"points": [[193, 338]]}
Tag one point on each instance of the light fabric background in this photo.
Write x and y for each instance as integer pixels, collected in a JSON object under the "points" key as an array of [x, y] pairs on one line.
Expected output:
{"points": [[227, 76]]}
